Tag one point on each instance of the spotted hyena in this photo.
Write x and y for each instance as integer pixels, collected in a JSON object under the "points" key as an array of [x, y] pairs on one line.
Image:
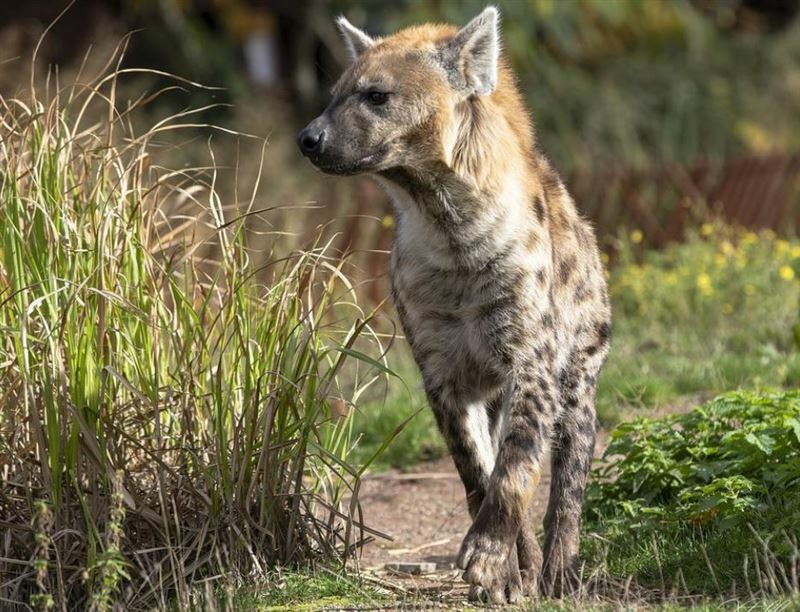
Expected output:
{"points": [[496, 279]]}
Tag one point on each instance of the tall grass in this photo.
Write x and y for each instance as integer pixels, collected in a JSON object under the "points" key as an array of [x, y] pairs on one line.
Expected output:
{"points": [[170, 414]]}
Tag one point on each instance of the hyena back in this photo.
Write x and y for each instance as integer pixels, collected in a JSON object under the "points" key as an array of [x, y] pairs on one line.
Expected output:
{"points": [[496, 279]]}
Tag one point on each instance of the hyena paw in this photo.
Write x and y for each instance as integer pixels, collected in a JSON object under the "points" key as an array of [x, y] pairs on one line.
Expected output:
{"points": [[492, 569], [530, 562], [530, 581]]}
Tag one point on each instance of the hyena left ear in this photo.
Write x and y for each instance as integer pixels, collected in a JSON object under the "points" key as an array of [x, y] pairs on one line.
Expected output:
{"points": [[356, 40], [472, 55]]}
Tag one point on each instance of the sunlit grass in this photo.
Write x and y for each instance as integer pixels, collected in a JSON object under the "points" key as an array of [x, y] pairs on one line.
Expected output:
{"points": [[714, 313], [173, 413]]}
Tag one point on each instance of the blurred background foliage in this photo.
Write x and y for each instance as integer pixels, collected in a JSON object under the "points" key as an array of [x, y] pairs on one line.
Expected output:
{"points": [[610, 82]]}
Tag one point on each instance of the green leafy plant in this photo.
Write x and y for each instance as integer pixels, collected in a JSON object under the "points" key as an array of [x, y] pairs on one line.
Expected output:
{"points": [[716, 484]]}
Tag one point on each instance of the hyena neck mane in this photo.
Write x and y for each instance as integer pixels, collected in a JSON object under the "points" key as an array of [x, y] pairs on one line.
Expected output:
{"points": [[476, 194]]}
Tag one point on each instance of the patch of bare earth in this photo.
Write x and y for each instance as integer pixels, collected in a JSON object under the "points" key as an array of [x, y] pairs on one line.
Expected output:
{"points": [[424, 511]]}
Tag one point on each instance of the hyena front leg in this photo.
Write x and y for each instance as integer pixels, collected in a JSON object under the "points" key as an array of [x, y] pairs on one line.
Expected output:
{"points": [[516, 473], [529, 553], [465, 427], [572, 453]]}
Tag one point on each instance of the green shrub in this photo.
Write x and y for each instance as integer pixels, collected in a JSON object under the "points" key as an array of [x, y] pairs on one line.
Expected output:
{"points": [[714, 493]]}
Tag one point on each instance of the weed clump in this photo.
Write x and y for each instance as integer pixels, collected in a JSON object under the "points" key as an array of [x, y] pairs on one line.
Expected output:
{"points": [[168, 403], [708, 499]]}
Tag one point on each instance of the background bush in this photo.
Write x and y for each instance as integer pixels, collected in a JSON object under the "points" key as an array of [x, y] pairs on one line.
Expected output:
{"points": [[708, 500]]}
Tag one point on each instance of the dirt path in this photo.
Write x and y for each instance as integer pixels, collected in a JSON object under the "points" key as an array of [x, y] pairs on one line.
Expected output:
{"points": [[423, 510], [425, 513]]}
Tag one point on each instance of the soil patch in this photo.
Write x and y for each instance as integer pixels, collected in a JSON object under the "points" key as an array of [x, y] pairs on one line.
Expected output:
{"points": [[425, 512]]}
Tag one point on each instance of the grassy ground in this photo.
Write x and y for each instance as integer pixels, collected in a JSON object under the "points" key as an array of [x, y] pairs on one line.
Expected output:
{"points": [[305, 591], [711, 314], [309, 591]]}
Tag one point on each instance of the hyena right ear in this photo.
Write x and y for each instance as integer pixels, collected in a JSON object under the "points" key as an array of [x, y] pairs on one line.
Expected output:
{"points": [[471, 57], [356, 40]]}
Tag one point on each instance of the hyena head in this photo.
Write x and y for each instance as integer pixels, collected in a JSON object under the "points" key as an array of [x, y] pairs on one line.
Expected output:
{"points": [[394, 105]]}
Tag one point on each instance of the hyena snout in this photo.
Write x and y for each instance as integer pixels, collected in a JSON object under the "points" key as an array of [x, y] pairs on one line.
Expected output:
{"points": [[324, 148], [334, 147], [311, 139]]}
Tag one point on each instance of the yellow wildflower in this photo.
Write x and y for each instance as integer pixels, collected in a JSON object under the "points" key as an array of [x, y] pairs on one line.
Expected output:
{"points": [[749, 289], [786, 272], [704, 284], [671, 278], [756, 137], [706, 229], [388, 222], [749, 238], [781, 246], [727, 309], [720, 260], [726, 247], [637, 236], [795, 252]]}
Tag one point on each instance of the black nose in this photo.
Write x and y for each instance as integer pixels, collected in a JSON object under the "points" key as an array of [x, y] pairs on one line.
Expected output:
{"points": [[310, 139]]}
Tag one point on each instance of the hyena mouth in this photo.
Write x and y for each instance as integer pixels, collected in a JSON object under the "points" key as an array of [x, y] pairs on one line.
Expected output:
{"points": [[365, 164]]}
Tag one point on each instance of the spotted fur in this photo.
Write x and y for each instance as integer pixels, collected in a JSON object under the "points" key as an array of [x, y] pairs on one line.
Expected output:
{"points": [[496, 279]]}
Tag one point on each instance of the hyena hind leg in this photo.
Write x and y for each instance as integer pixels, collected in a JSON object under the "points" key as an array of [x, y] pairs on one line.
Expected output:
{"points": [[572, 452]]}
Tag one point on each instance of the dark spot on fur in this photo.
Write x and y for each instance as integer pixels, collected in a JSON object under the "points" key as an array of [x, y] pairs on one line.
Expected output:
{"points": [[565, 269], [581, 292], [538, 208], [603, 330], [541, 276]]}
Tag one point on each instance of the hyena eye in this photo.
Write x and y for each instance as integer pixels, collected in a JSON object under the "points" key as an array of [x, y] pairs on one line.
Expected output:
{"points": [[377, 98]]}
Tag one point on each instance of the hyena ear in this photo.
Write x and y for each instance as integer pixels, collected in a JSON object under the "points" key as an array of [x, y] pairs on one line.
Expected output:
{"points": [[471, 57], [356, 40]]}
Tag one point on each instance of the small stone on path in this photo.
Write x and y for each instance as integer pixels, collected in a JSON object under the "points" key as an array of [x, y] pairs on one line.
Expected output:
{"points": [[411, 569]]}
